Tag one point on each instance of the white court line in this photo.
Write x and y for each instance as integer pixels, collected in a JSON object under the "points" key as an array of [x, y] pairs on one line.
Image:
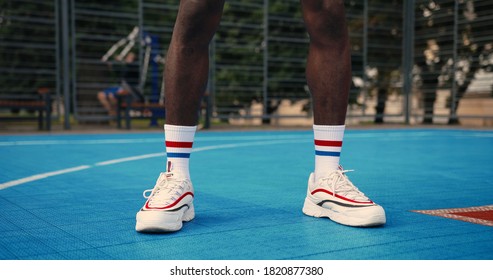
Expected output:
{"points": [[120, 160], [236, 138], [195, 150], [142, 140], [134, 158], [42, 176], [80, 142]]}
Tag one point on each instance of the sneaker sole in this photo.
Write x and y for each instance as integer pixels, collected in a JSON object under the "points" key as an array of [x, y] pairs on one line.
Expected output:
{"points": [[373, 218], [163, 221]]}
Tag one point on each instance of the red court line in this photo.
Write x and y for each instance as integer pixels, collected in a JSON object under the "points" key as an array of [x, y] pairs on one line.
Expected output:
{"points": [[482, 215]]}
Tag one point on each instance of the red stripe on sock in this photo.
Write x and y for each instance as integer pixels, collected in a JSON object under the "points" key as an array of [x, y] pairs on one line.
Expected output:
{"points": [[328, 143], [174, 144]]}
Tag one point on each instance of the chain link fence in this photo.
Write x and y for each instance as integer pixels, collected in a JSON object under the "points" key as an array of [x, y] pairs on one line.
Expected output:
{"points": [[415, 62], [29, 61]]}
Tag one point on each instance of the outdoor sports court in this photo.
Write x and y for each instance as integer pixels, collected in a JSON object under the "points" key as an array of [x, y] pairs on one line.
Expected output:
{"points": [[75, 196]]}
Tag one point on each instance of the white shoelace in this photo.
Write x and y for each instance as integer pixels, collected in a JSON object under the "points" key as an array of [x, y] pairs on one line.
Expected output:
{"points": [[339, 183], [166, 190]]}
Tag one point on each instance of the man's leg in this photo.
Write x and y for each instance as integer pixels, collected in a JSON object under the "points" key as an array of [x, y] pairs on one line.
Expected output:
{"points": [[102, 99], [186, 74], [170, 202], [187, 62], [113, 102], [108, 100], [328, 69], [328, 73]]}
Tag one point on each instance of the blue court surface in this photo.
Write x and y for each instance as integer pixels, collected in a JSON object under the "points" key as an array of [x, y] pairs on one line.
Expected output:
{"points": [[75, 196]]}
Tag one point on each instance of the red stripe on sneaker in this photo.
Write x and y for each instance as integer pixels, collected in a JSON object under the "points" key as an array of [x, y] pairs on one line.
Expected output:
{"points": [[171, 205], [327, 143], [174, 144], [341, 197]]}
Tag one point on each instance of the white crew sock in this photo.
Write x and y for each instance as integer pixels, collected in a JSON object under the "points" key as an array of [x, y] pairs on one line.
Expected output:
{"points": [[179, 141], [328, 145]]}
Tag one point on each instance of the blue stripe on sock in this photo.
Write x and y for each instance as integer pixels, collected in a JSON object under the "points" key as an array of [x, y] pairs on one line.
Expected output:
{"points": [[178, 155], [330, 154]]}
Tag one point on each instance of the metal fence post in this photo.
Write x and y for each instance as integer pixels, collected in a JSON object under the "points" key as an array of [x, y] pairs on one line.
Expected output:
{"points": [[66, 62], [266, 58], [58, 56], [365, 57], [408, 55], [453, 115], [141, 42], [73, 48], [209, 97]]}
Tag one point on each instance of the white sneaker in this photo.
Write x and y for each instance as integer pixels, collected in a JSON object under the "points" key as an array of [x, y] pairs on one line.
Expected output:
{"points": [[169, 204], [336, 198]]}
